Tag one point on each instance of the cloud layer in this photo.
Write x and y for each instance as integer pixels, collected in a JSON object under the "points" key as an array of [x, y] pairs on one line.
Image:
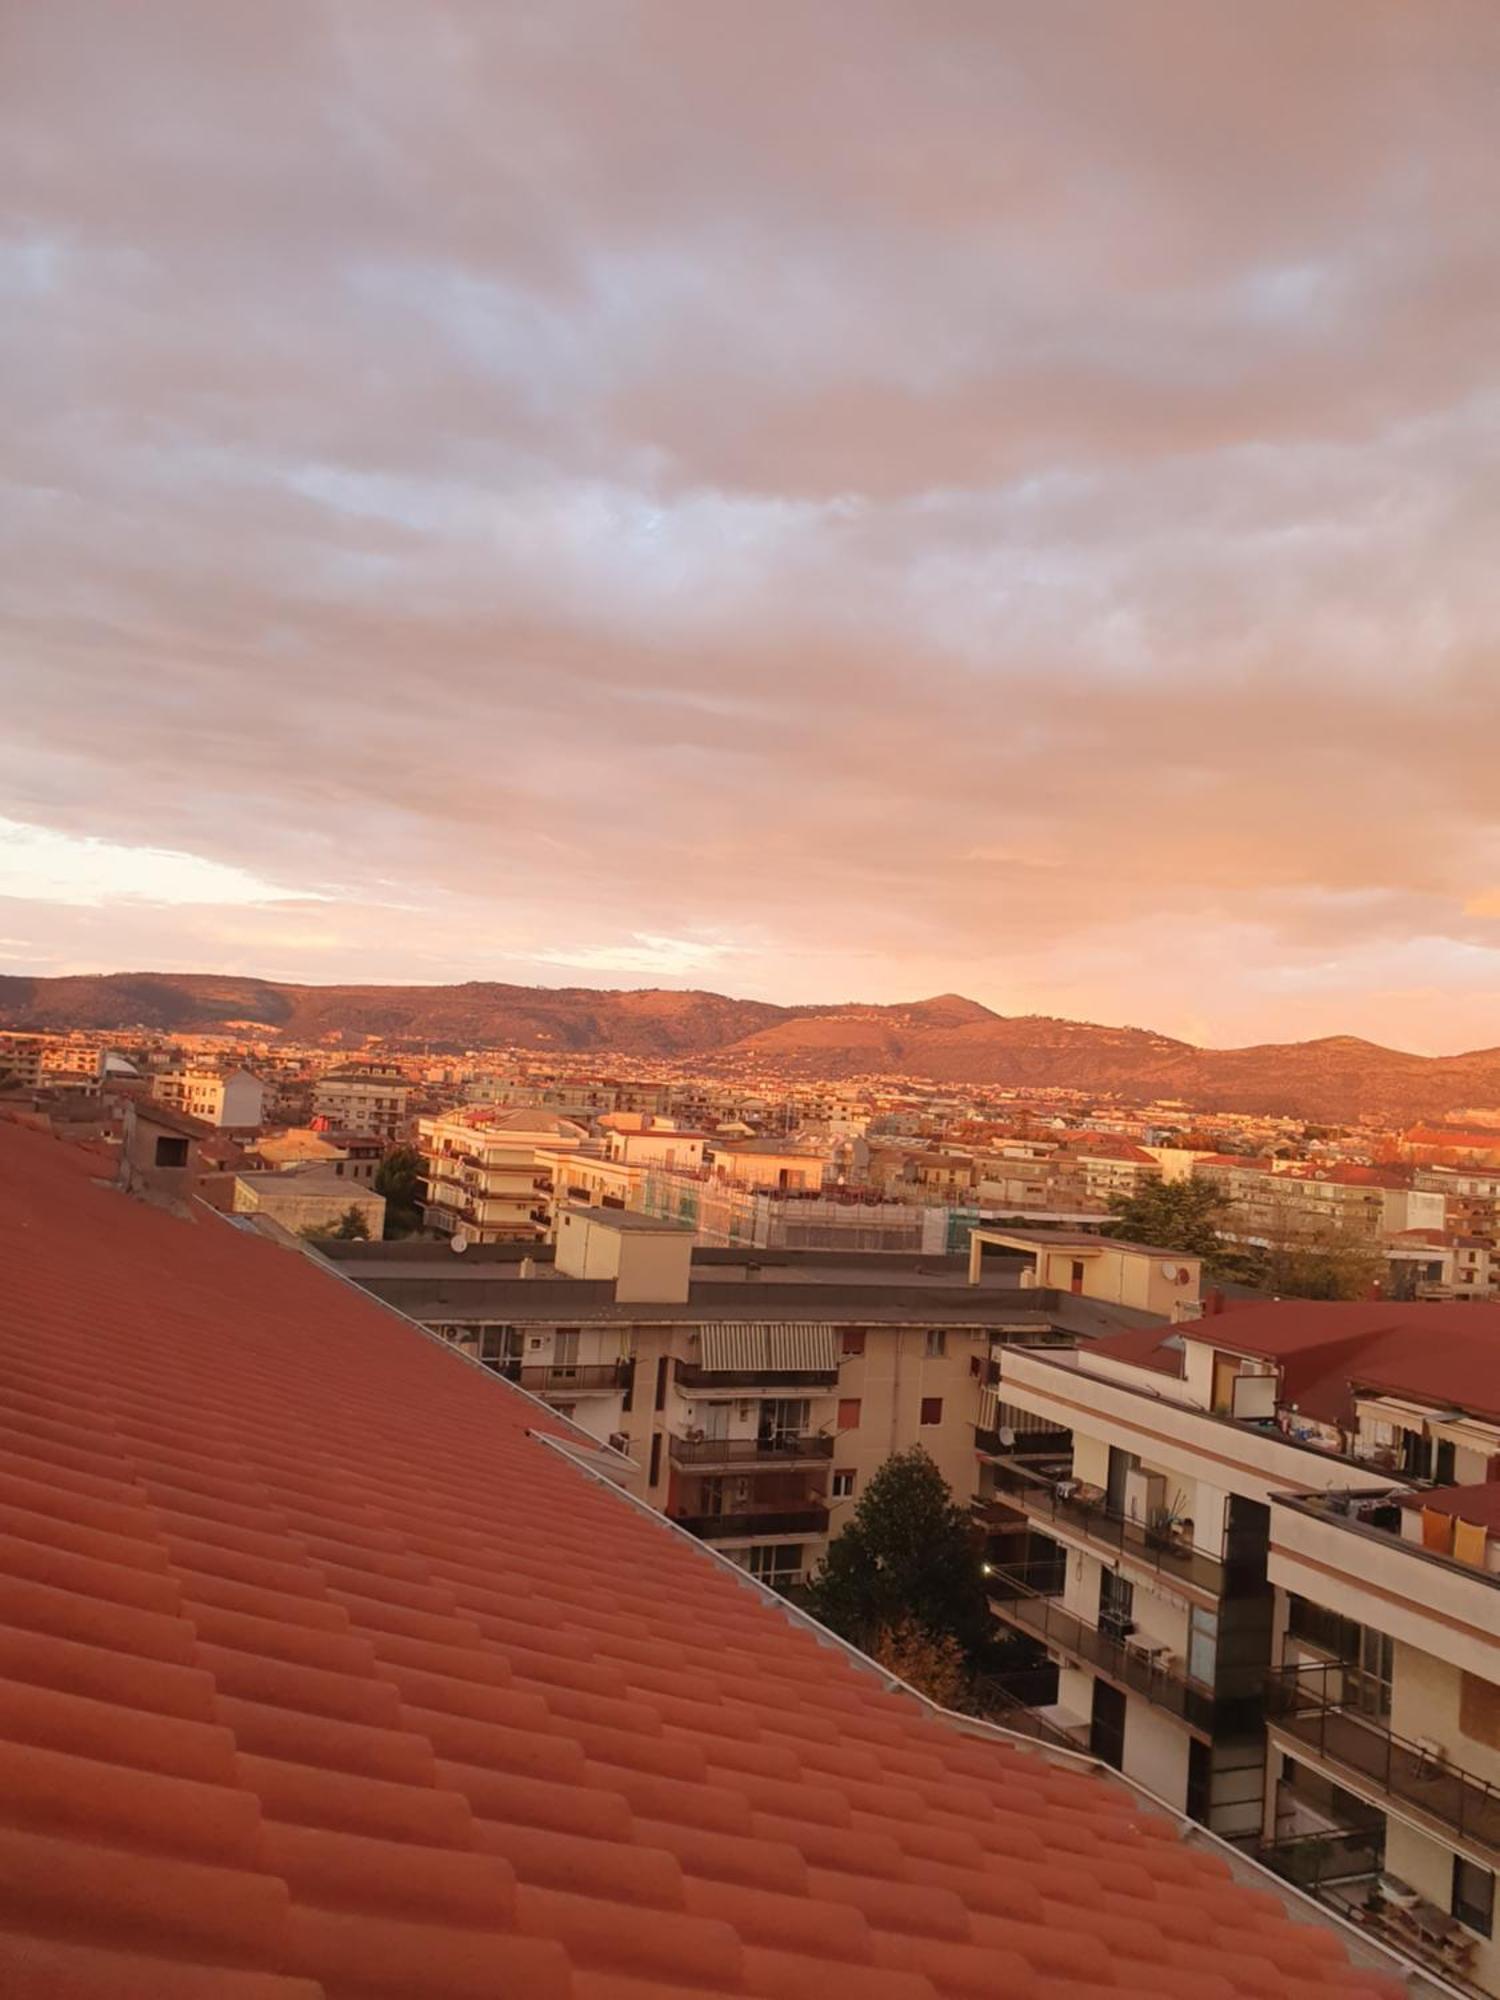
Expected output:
{"points": [[819, 501]]}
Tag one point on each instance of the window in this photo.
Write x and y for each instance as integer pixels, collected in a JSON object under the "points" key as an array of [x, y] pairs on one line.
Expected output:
{"points": [[849, 1413], [937, 1344], [852, 1340], [775, 1562], [843, 1485], [932, 1410], [171, 1152], [1326, 1630], [1473, 1896], [655, 1472]]}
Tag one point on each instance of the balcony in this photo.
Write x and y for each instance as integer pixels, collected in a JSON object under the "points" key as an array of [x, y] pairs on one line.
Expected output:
{"points": [[693, 1375], [809, 1520], [587, 1378], [1114, 1533], [702, 1454], [1326, 1708], [1020, 1596], [1028, 1445]]}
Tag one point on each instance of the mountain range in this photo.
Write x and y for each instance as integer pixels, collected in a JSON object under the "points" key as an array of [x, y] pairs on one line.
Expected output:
{"points": [[947, 1039]]}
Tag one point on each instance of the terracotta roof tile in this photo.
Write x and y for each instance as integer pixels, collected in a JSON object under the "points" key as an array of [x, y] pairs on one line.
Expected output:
{"points": [[322, 1678]]}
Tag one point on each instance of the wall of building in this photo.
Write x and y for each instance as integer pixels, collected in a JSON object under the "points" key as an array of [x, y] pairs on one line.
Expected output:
{"points": [[1156, 1751]]}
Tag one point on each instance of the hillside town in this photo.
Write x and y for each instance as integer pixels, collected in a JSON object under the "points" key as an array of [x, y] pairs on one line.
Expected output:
{"points": [[1216, 1397]]}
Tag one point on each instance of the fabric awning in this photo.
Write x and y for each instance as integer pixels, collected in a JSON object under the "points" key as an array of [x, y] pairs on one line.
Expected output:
{"points": [[744, 1347]]}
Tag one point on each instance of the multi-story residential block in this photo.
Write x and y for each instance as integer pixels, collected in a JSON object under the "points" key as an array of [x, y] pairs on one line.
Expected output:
{"points": [[1272, 1201], [767, 1163], [757, 1395], [365, 1100], [1233, 1602], [1471, 1197], [1440, 1264], [20, 1062], [491, 1175], [232, 1099]]}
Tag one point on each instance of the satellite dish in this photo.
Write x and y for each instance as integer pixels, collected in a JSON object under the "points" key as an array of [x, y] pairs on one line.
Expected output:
{"points": [[458, 1242], [1007, 1437]]}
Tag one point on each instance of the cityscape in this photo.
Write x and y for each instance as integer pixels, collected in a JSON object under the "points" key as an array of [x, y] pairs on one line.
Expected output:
{"points": [[749, 975]]}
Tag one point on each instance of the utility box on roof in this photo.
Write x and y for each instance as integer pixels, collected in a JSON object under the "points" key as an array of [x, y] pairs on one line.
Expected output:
{"points": [[649, 1261]]}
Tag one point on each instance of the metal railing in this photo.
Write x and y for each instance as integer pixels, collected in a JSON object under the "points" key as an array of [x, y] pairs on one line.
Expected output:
{"points": [[587, 1375], [747, 1451], [1107, 1527], [1016, 1598], [1040, 1445], [693, 1375], [755, 1521], [1333, 1710]]}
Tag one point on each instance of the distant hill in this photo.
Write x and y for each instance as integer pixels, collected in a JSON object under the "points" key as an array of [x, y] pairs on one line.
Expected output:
{"points": [[948, 1039]]}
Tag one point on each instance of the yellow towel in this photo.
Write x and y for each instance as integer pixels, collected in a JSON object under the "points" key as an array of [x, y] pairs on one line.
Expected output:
{"points": [[1469, 1543]]}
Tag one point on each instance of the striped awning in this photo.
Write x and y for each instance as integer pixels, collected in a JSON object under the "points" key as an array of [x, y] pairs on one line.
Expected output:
{"points": [[745, 1346]]}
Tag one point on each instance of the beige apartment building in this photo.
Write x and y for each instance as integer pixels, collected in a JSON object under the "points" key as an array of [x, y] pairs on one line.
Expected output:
{"points": [[491, 1175], [755, 1394], [234, 1100], [20, 1061], [370, 1102], [1263, 1549], [1271, 1201]]}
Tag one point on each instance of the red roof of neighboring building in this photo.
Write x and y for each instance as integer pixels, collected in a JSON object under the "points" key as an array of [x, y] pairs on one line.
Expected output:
{"points": [[322, 1675], [1325, 1347], [1478, 1505]]}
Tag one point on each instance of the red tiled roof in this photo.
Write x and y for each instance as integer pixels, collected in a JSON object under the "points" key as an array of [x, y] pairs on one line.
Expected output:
{"points": [[321, 1675]]}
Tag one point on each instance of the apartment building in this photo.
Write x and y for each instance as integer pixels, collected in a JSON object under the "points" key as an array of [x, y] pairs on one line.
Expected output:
{"points": [[20, 1062], [1275, 1200], [766, 1163], [755, 1396], [1440, 1264], [1471, 1197], [231, 1099], [370, 1101], [491, 1176], [1242, 1536]]}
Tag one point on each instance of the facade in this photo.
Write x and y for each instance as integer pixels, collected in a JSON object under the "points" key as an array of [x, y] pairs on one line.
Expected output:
{"points": [[20, 1062], [1263, 1549], [754, 1400], [1384, 1714], [232, 1099], [1161, 1283], [491, 1175], [369, 1102], [762, 1163]]}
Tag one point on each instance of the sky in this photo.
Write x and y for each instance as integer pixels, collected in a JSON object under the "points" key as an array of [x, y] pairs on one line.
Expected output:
{"points": [[829, 499]]}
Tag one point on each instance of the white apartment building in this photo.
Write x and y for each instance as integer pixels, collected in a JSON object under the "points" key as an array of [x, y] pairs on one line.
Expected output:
{"points": [[369, 1103], [1247, 1623], [234, 1100], [491, 1176]]}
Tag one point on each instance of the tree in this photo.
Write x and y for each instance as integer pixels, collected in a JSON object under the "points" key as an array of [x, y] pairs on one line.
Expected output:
{"points": [[908, 1556], [351, 1227], [1314, 1263], [1173, 1215], [399, 1179], [934, 1665]]}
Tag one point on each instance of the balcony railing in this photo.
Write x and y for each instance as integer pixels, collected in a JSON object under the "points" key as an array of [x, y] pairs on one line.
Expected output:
{"points": [[754, 1521], [1016, 1598], [693, 1375], [1026, 1445], [588, 1377], [1107, 1527], [748, 1451], [1328, 1707]]}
